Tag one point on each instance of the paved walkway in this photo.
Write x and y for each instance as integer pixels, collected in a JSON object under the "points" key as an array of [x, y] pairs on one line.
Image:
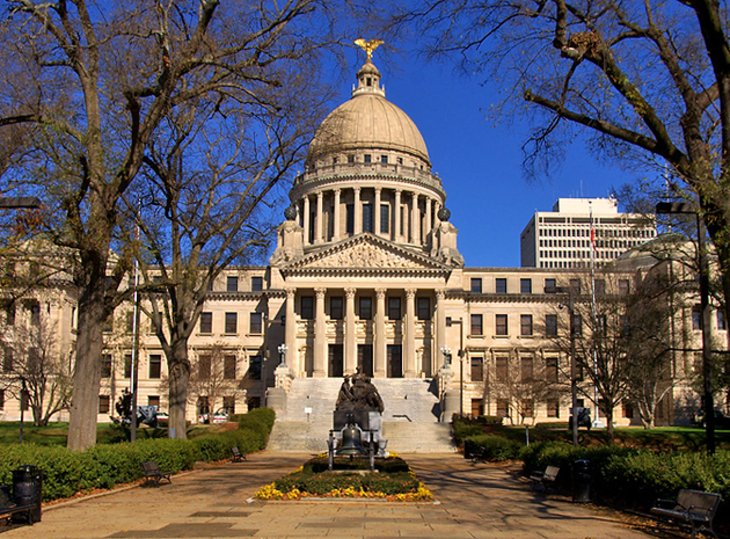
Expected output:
{"points": [[473, 502]]}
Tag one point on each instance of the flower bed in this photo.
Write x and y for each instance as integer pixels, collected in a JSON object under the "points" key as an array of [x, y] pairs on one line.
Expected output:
{"points": [[392, 481]]}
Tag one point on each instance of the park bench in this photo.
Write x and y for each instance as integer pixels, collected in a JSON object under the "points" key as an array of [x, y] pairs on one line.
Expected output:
{"points": [[547, 478], [153, 474], [236, 455], [693, 507], [9, 509]]}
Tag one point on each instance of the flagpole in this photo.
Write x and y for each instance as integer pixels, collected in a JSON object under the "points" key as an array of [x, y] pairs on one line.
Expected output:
{"points": [[596, 422]]}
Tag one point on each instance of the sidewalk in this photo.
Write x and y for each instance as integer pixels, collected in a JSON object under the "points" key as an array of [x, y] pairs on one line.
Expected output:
{"points": [[473, 502]]}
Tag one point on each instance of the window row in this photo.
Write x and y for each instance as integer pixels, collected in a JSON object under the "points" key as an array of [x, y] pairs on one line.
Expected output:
{"points": [[364, 308], [527, 327], [207, 366], [550, 286]]}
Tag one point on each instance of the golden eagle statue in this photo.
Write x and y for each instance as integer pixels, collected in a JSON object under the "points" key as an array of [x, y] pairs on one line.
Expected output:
{"points": [[369, 46]]}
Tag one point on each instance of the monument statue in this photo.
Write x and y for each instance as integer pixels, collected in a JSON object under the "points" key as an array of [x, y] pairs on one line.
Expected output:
{"points": [[369, 46]]}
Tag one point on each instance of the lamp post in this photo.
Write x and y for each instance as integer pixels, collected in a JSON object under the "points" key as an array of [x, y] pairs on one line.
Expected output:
{"points": [[570, 291], [282, 354], [23, 404], [673, 208]]}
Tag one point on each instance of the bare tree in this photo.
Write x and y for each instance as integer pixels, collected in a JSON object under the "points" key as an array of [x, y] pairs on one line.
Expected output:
{"points": [[92, 83], [35, 370], [650, 81]]}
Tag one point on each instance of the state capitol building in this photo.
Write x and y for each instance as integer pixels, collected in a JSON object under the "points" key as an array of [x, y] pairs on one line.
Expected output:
{"points": [[367, 273]]}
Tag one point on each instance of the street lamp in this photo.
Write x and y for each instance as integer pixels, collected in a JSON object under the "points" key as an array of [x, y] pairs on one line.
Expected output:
{"points": [[447, 356], [282, 354], [570, 291], [672, 208]]}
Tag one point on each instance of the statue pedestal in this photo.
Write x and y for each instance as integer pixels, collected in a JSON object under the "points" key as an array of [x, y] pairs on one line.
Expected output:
{"points": [[276, 400], [283, 378]]}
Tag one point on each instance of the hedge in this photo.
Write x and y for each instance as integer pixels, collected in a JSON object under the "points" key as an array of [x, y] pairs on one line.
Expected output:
{"points": [[67, 472]]}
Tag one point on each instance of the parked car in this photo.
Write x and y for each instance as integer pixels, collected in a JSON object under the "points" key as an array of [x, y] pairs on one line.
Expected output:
{"points": [[162, 419], [721, 420], [220, 416]]}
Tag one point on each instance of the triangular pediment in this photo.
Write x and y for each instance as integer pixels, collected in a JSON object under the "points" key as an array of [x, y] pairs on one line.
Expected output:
{"points": [[366, 252]]}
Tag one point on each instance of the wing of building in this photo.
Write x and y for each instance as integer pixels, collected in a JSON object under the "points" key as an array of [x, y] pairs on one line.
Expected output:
{"points": [[367, 274]]}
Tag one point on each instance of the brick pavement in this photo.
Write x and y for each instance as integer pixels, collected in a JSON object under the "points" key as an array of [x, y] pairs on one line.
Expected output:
{"points": [[472, 502]]}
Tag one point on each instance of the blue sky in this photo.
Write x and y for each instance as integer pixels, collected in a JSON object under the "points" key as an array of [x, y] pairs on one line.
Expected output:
{"points": [[479, 160]]}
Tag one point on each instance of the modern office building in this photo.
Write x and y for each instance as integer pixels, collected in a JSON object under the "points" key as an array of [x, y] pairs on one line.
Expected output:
{"points": [[578, 229], [367, 274]]}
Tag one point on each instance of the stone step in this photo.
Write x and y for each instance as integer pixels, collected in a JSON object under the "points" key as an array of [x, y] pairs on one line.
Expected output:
{"points": [[403, 437]]}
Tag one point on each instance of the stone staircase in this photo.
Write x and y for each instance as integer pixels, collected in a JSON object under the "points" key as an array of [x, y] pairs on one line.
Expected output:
{"points": [[410, 419]]}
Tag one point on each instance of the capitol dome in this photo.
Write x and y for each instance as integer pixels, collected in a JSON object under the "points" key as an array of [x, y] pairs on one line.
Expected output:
{"points": [[368, 122]]}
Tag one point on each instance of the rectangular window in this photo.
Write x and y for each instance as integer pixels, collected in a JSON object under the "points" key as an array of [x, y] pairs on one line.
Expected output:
{"points": [[365, 308], [477, 369], [550, 286], [206, 322], [526, 369], [423, 308], [205, 366], [254, 368], [624, 287], [394, 309], [367, 218], [383, 159], [721, 325], [477, 326], [575, 286], [367, 158], [551, 325], [697, 317], [525, 325], [232, 283], [384, 218], [104, 402], [500, 285], [577, 326], [229, 367], [350, 218], [502, 408], [553, 407], [307, 307], [528, 408], [476, 285], [2, 399], [551, 369], [525, 286], [229, 404], [337, 308], [153, 400], [231, 323], [155, 366], [257, 284], [127, 365], [10, 313], [129, 322], [7, 359], [502, 369], [255, 323], [600, 285], [106, 365], [500, 322]]}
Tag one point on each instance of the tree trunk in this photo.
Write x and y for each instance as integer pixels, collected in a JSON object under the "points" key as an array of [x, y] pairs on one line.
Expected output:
{"points": [[609, 423], [87, 373], [179, 369]]}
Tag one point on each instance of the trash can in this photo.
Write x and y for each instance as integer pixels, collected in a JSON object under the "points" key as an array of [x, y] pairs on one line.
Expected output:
{"points": [[27, 485], [582, 481]]}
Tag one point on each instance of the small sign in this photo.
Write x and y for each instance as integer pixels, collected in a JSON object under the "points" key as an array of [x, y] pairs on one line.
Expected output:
{"points": [[307, 410]]}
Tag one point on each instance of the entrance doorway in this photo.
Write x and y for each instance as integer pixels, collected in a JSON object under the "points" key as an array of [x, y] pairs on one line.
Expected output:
{"points": [[365, 358], [336, 361], [395, 361]]}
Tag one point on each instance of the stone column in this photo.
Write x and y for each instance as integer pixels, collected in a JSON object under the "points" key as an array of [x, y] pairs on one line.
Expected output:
{"points": [[396, 213], [320, 335], [319, 215], [437, 360], [429, 224], [436, 208], [336, 217], [415, 220], [357, 208], [350, 335], [376, 212], [410, 334], [307, 224], [290, 333], [379, 354]]}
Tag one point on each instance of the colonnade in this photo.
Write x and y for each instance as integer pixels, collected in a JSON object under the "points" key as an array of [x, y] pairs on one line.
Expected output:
{"points": [[298, 344], [411, 215]]}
